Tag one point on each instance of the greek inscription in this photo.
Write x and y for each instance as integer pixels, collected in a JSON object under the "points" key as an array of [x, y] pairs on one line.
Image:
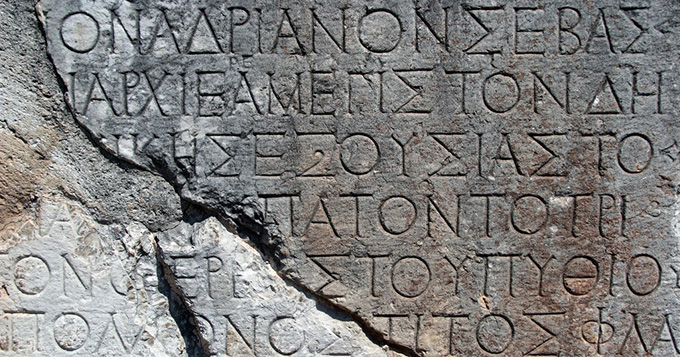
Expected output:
{"points": [[441, 170], [71, 331], [31, 274]]}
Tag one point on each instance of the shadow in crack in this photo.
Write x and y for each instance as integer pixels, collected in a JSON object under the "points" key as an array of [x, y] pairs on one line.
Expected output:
{"points": [[180, 312]]}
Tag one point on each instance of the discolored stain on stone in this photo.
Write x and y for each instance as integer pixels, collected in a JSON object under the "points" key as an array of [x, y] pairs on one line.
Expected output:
{"points": [[20, 174]]}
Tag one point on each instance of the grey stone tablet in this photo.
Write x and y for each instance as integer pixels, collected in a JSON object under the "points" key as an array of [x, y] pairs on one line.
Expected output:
{"points": [[462, 178], [72, 286]]}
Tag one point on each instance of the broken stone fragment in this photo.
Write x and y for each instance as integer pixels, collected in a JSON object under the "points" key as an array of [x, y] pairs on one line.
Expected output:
{"points": [[244, 308], [73, 286], [461, 178]]}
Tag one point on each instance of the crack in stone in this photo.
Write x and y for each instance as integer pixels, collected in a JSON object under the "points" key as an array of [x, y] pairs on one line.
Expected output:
{"points": [[179, 309], [257, 234]]}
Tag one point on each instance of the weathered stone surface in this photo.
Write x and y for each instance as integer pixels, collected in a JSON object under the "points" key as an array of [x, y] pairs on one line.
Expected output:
{"points": [[64, 210], [463, 178], [244, 308], [72, 286], [78, 256]]}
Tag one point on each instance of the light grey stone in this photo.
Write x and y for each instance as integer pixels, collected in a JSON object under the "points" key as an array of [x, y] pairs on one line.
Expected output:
{"points": [[71, 286], [461, 178], [79, 269], [244, 308]]}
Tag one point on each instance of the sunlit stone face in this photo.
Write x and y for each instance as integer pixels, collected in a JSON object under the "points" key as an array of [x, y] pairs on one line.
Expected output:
{"points": [[463, 178]]}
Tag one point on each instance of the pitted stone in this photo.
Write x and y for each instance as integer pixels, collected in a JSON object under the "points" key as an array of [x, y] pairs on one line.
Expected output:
{"points": [[464, 178], [70, 286], [244, 308]]}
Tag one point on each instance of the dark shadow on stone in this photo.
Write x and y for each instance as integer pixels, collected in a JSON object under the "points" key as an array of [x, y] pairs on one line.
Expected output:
{"points": [[185, 319]]}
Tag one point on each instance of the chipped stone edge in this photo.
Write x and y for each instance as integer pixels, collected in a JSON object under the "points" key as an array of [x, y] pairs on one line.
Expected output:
{"points": [[265, 238]]}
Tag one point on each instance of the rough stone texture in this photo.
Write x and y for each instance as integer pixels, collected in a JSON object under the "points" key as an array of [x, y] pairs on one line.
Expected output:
{"points": [[463, 178], [70, 285], [75, 278], [243, 307], [79, 268]]}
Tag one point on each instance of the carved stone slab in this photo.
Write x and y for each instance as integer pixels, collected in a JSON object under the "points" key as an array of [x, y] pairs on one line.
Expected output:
{"points": [[243, 308], [465, 178], [71, 286]]}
